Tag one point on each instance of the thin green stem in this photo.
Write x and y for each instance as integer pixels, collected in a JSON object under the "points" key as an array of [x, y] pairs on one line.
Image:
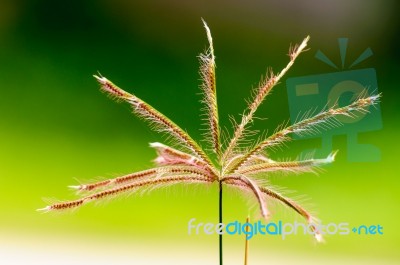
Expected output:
{"points": [[220, 221]]}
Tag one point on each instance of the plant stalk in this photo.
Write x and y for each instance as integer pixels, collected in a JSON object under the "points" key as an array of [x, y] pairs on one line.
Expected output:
{"points": [[220, 221], [246, 245]]}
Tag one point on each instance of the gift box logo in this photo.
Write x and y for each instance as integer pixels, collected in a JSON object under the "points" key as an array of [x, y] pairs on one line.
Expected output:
{"points": [[316, 92]]}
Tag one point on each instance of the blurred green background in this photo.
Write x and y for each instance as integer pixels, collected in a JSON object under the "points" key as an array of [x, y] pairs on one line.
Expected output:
{"points": [[57, 128]]}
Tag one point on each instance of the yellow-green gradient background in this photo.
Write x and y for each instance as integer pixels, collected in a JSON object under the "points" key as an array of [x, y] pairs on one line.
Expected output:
{"points": [[57, 128]]}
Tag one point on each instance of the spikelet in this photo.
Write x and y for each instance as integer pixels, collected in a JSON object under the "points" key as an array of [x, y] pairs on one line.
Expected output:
{"points": [[145, 174], [309, 125], [208, 87], [153, 116], [190, 178], [171, 156], [262, 92], [250, 184], [293, 166]]}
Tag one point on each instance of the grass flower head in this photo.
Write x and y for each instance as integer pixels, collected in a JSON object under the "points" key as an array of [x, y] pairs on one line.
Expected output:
{"points": [[230, 164]]}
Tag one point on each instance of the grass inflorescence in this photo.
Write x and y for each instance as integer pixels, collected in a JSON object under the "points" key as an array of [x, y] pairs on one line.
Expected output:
{"points": [[230, 164]]}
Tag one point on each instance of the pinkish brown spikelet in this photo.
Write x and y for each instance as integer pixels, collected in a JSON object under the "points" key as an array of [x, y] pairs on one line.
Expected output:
{"points": [[191, 178], [159, 171], [63, 206], [110, 88], [170, 156], [310, 125], [250, 184], [259, 97], [301, 166], [207, 73]]}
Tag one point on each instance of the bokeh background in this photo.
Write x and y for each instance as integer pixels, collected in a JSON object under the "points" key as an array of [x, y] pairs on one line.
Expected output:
{"points": [[56, 128]]}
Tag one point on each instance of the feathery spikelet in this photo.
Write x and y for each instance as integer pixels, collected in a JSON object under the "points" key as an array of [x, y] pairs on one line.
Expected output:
{"points": [[207, 73], [263, 91], [250, 184], [148, 113], [294, 166], [189, 163], [170, 156], [191, 178], [310, 125], [154, 172]]}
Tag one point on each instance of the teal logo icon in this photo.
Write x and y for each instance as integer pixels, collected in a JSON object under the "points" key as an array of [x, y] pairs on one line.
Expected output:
{"points": [[321, 91]]}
